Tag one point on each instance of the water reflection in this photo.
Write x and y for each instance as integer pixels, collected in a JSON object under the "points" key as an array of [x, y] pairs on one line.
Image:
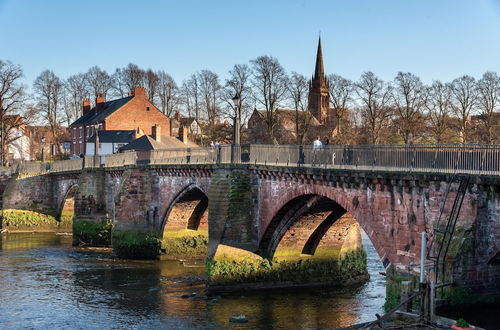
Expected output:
{"points": [[46, 283]]}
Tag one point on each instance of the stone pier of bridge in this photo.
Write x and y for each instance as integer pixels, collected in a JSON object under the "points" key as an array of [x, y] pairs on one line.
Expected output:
{"points": [[272, 223]]}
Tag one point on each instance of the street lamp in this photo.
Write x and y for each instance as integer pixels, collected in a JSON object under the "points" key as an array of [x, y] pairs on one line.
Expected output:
{"points": [[43, 147], [96, 145], [235, 154]]}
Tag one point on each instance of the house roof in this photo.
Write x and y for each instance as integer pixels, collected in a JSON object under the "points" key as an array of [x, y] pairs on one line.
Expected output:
{"points": [[108, 108], [146, 142], [118, 136], [37, 132], [289, 114], [187, 121]]}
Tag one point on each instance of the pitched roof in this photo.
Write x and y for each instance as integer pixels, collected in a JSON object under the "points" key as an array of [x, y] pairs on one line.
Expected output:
{"points": [[108, 108], [146, 142], [118, 136], [37, 132], [187, 121], [289, 114]]}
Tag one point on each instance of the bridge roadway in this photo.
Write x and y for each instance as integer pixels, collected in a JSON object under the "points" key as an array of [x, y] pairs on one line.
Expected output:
{"points": [[278, 201]]}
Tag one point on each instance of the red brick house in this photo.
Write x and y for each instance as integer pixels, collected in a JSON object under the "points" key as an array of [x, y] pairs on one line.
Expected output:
{"points": [[134, 112]]}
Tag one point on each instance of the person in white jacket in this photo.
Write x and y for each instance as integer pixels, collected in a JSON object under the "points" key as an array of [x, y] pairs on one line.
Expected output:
{"points": [[317, 143]]}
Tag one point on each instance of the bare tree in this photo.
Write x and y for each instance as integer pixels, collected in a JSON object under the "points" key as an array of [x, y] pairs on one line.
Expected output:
{"points": [[439, 107], [341, 97], [152, 84], [11, 100], [464, 100], [374, 96], [489, 103], [134, 76], [238, 84], [48, 90], [168, 93], [76, 90], [98, 80], [298, 90], [191, 96], [210, 89], [119, 86], [409, 96], [269, 81]]}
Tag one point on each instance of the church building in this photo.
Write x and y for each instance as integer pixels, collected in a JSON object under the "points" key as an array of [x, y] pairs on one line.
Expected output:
{"points": [[316, 121], [319, 91]]}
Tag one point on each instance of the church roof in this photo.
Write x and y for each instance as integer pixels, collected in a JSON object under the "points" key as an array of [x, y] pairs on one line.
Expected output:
{"points": [[289, 114]]}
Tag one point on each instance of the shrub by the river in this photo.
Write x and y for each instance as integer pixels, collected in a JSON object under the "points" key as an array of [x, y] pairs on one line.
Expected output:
{"points": [[350, 268], [394, 287], [136, 245], [92, 233], [186, 246]]}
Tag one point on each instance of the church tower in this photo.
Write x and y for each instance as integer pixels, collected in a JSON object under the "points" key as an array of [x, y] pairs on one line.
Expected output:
{"points": [[319, 94]]}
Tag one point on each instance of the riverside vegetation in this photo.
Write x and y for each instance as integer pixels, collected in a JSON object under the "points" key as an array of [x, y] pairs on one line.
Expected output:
{"points": [[92, 233], [23, 220], [349, 268]]}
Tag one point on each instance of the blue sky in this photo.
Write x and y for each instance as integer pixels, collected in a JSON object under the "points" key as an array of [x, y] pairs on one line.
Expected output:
{"points": [[435, 39]]}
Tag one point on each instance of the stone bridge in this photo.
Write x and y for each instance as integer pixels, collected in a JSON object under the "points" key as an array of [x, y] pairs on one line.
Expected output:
{"points": [[279, 212]]}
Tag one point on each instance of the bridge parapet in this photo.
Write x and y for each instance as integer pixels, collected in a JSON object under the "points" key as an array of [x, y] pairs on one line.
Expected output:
{"points": [[451, 159]]}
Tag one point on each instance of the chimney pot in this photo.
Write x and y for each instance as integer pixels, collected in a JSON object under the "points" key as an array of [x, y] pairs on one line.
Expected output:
{"points": [[86, 106], [99, 102]]}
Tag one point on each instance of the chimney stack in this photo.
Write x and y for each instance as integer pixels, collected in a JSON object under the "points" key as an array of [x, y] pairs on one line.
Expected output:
{"points": [[86, 106], [99, 102], [140, 92], [178, 116], [156, 133], [183, 134]]}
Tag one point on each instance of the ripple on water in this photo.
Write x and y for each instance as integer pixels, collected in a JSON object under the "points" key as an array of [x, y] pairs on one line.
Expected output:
{"points": [[46, 283]]}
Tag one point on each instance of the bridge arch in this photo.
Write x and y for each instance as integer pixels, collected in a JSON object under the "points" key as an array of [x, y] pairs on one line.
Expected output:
{"points": [[184, 227], [339, 203], [186, 210], [66, 208], [310, 225]]}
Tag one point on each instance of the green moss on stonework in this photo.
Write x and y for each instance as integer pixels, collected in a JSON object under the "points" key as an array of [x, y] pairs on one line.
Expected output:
{"points": [[92, 233], [458, 295], [136, 245], [187, 246], [350, 267], [28, 220]]}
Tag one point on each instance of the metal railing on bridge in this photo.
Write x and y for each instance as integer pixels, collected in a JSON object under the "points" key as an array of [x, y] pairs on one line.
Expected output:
{"points": [[452, 158]]}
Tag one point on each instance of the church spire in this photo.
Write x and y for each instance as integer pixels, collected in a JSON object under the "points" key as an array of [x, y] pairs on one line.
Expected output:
{"points": [[320, 71]]}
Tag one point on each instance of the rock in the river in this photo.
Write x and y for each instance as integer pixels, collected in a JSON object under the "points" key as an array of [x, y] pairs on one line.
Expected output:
{"points": [[188, 295], [238, 319]]}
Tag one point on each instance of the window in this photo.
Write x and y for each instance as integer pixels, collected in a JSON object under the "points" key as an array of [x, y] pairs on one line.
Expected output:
{"points": [[147, 108], [81, 132]]}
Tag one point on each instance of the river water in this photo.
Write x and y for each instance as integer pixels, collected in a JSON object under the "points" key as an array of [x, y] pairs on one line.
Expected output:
{"points": [[45, 283]]}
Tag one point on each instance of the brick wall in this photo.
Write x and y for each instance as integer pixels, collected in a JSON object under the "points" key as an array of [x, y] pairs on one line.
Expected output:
{"points": [[138, 112]]}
